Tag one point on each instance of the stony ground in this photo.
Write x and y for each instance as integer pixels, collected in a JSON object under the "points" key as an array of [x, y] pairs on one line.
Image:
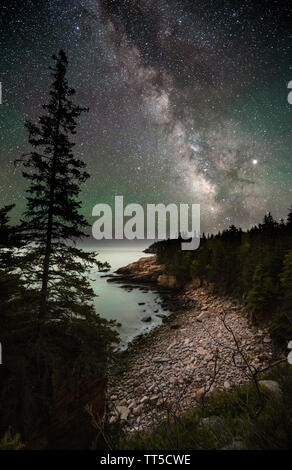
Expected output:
{"points": [[188, 358]]}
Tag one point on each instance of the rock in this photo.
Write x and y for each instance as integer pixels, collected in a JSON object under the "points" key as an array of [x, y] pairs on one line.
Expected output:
{"points": [[137, 410], [201, 351], [226, 385], [174, 326], [199, 393], [123, 412], [272, 386], [267, 340], [204, 314], [160, 359], [161, 315], [146, 319], [208, 357], [144, 400], [113, 419], [154, 398]]}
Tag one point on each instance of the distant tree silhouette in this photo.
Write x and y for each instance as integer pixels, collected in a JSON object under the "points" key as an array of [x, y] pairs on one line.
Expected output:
{"points": [[5, 229]]}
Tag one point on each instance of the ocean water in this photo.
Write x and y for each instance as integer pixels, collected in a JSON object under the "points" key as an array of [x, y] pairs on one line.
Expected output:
{"points": [[115, 303]]}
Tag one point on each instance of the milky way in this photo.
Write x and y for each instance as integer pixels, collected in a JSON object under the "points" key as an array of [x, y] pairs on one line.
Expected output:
{"points": [[188, 100]]}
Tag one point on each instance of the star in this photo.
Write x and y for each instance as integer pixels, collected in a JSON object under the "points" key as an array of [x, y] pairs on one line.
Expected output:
{"points": [[186, 101]]}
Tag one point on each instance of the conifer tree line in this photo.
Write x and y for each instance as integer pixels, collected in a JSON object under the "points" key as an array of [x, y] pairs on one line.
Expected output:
{"points": [[254, 266], [52, 338]]}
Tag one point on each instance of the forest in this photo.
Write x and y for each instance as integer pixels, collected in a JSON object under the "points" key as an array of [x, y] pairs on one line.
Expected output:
{"points": [[254, 266]]}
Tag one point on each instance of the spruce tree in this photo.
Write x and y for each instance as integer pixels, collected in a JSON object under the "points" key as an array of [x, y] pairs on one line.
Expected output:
{"points": [[53, 265]]}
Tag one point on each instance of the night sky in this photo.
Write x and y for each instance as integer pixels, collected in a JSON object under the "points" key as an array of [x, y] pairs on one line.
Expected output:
{"points": [[188, 100]]}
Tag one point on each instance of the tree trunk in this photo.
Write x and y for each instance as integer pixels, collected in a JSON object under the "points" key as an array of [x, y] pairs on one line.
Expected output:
{"points": [[48, 246]]}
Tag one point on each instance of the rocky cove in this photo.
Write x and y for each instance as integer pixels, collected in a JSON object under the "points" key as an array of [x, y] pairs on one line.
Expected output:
{"points": [[207, 344]]}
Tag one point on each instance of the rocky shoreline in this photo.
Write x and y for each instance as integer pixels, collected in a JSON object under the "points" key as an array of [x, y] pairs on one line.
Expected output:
{"points": [[207, 344]]}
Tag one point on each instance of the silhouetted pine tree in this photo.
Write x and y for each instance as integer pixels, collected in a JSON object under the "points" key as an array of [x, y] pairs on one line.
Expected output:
{"points": [[53, 281], [52, 218]]}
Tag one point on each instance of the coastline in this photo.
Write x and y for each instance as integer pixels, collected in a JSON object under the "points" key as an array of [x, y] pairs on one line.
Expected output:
{"points": [[192, 354]]}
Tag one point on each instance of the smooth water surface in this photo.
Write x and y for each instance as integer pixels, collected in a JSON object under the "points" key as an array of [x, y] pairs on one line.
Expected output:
{"points": [[116, 303]]}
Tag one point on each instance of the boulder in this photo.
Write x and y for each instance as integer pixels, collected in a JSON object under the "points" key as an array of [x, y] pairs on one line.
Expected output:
{"points": [[146, 319], [160, 359], [272, 386], [201, 351], [227, 385], [123, 412], [113, 419], [203, 315]]}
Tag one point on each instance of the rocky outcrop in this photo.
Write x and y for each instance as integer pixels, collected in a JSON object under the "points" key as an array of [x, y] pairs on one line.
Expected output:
{"points": [[143, 270], [272, 386], [146, 270]]}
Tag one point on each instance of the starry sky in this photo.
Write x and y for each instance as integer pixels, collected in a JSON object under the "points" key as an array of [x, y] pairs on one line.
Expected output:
{"points": [[188, 100]]}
